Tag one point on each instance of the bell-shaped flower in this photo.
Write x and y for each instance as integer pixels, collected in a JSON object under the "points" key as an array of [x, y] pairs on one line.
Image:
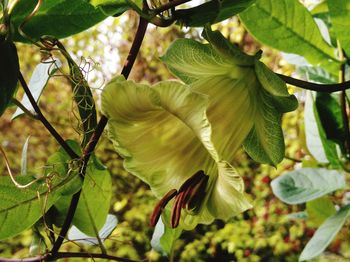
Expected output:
{"points": [[181, 139], [243, 93]]}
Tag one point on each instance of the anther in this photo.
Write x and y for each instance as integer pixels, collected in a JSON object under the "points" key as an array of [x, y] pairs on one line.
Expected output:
{"points": [[192, 180], [157, 211], [176, 211], [189, 196], [197, 194]]}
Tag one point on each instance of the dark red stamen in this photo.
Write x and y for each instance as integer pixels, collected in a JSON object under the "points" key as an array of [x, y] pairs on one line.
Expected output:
{"points": [[197, 194], [192, 180], [189, 196], [176, 211], [188, 191], [157, 211]]}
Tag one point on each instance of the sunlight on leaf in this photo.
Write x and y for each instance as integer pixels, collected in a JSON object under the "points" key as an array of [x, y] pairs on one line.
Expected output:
{"points": [[37, 83]]}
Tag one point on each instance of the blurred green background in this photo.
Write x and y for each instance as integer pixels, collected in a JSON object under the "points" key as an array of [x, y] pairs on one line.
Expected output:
{"points": [[264, 233]]}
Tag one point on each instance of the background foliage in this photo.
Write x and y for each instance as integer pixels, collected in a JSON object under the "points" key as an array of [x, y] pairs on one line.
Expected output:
{"points": [[265, 233]]}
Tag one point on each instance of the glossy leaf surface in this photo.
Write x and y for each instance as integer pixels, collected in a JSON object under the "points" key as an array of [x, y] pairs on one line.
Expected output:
{"points": [[305, 184], [325, 234], [9, 70], [60, 18], [288, 26]]}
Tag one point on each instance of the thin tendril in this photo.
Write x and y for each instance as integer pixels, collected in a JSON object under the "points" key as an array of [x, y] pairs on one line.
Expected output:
{"points": [[26, 20], [18, 185]]}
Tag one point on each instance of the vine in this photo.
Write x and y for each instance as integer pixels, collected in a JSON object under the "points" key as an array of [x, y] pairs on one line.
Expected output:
{"points": [[173, 135]]}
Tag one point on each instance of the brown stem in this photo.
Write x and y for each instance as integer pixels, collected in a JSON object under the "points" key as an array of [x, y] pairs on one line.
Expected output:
{"points": [[326, 88], [92, 255], [61, 255], [342, 99], [134, 50], [45, 122]]}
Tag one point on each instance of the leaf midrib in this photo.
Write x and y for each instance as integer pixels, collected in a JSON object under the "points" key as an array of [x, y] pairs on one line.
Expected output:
{"points": [[54, 188], [295, 33]]}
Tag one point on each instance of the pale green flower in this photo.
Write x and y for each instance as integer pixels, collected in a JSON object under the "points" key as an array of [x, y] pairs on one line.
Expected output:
{"points": [[181, 139]]}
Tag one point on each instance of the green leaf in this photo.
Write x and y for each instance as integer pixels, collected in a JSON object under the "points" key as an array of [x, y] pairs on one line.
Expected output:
{"points": [[37, 83], [117, 7], [292, 31], [96, 190], [319, 210], [316, 113], [322, 149], [306, 184], [164, 237], [94, 201], [38, 245], [325, 234], [339, 11], [320, 8], [92, 210], [74, 234], [212, 12], [21, 208], [4, 4], [9, 70], [60, 18], [83, 98], [298, 215], [316, 74], [330, 116], [24, 157], [60, 163]]}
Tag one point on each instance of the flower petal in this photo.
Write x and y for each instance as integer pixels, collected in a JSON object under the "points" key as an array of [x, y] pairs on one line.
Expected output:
{"points": [[161, 131], [230, 112], [251, 99], [227, 198], [270, 81], [265, 142], [190, 60], [226, 49]]}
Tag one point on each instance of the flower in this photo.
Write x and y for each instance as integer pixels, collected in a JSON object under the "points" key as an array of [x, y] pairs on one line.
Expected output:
{"points": [[181, 139]]}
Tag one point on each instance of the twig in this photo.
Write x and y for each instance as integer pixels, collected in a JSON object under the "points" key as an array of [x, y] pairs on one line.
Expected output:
{"points": [[134, 50], [170, 5], [30, 259], [45, 122], [293, 159], [26, 20], [12, 177], [61, 255], [153, 15], [92, 255], [24, 109], [326, 88], [342, 100]]}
